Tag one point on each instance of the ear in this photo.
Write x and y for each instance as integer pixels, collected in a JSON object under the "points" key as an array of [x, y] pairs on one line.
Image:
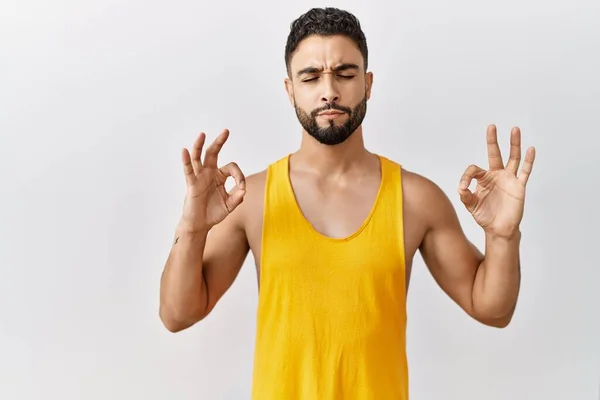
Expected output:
{"points": [[368, 84], [289, 87]]}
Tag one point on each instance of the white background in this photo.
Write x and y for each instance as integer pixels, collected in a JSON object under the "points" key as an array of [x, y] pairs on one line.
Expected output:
{"points": [[98, 98]]}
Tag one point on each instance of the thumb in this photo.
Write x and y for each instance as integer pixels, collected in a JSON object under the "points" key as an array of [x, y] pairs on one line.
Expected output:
{"points": [[468, 198]]}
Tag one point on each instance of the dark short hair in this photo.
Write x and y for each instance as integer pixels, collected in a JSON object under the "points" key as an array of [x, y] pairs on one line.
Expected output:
{"points": [[328, 21]]}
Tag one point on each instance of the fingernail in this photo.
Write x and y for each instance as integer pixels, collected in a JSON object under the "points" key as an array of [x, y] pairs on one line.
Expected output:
{"points": [[242, 185]]}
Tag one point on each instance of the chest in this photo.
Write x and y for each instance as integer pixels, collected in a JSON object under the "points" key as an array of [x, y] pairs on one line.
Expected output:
{"points": [[335, 211], [338, 215]]}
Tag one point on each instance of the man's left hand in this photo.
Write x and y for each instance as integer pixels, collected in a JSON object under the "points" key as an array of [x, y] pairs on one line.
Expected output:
{"points": [[498, 200]]}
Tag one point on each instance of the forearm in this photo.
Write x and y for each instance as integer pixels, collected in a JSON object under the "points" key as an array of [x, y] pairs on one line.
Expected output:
{"points": [[498, 278], [183, 294]]}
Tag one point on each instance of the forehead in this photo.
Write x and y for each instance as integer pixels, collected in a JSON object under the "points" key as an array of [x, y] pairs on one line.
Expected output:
{"points": [[325, 52]]}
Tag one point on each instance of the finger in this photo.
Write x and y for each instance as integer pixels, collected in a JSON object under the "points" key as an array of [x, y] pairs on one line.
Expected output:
{"points": [[234, 199], [188, 168], [197, 152], [466, 196], [527, 165], [515, 151], [212, 152], [472, 172], [494, 154], [233, 170]]}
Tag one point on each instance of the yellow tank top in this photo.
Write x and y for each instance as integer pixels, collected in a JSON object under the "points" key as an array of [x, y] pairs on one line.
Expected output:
{"points": [[331, 316]]}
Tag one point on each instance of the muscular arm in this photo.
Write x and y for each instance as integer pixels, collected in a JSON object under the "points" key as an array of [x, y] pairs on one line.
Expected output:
{"points": [[200, 269], [485, 286]]}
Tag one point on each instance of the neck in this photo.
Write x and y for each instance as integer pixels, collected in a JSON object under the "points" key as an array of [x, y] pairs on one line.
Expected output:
{"points": [[321, 158]]}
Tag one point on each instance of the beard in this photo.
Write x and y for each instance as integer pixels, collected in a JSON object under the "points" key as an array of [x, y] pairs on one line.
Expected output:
{"points": [[333, 134]]}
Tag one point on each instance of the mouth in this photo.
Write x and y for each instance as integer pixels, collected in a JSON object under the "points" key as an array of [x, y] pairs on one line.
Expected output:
{"points": [[330, 114]]}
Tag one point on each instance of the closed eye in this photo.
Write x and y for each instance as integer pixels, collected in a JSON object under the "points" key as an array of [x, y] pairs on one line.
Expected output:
{"points": [[348, 77]]}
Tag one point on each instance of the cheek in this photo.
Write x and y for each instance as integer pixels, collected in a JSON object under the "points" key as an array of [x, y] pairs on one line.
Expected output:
{"points": [[303, 100], [360, 88], [350, 91]]}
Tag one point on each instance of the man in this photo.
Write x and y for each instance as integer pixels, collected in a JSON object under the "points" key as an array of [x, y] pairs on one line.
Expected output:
{"points": [[334, 229]]}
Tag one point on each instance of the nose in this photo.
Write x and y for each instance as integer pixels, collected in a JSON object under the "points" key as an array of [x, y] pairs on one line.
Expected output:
{"points": [[330, 92]]}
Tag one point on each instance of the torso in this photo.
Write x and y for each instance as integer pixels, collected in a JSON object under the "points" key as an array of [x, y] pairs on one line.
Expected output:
{"points": [[327, 207], [338, 250]]}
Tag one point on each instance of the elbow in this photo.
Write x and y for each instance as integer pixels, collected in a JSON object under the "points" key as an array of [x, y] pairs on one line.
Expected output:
{"points": [[493, 315], [177, 321], [172, 325], [496, 320], [499, 323]]}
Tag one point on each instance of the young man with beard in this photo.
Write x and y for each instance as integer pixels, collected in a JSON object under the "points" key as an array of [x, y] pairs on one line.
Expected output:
{"points": [[333, 230]]}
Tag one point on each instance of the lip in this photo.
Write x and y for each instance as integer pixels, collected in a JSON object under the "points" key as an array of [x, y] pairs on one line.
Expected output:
{"points": [[331, 116], [329, 113]]}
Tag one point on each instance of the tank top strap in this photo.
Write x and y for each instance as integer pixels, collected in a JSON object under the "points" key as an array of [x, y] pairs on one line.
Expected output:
{"points": [[281, 216], [278, 188], [388, 214], [389, 205]]}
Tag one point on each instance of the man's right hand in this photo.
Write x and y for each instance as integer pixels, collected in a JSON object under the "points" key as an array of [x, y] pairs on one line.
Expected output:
{"points": [[207, 202]]}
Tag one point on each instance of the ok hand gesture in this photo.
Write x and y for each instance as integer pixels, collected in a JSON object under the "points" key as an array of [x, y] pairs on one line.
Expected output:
{"points": [[207, 202], [498, 200]]}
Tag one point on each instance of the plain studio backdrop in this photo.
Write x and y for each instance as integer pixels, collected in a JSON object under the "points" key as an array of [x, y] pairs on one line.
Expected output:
{"points": [[98, 98]]}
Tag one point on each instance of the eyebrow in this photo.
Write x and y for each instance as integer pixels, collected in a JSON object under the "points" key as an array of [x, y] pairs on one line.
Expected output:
{"points": [[314, 70]]}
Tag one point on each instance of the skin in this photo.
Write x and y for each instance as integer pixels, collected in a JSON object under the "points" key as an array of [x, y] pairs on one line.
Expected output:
{"points": [[335, 188]]}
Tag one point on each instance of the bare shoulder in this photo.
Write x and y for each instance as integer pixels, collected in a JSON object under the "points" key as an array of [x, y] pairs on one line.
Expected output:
{"points": [[421, 189], [255, 187], [424, 198], [256, 181]]}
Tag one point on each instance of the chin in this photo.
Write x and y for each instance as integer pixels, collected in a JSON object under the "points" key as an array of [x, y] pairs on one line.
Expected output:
{"points": [[331, 139], [331, 125]]}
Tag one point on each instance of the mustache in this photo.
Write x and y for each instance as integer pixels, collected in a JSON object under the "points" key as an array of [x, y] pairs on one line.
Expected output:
{"points": [[331, 106]]}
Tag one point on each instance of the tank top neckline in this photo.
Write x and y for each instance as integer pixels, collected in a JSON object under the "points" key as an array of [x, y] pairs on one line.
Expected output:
{"points": [[290, 190]]}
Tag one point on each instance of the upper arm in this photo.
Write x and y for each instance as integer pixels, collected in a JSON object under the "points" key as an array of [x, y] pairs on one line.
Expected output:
{"points": [[227, 247], [451, 258]]}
